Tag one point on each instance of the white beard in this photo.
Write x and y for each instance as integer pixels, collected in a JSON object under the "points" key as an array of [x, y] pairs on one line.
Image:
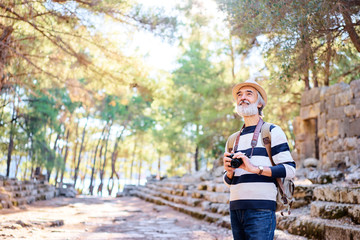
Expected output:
{"points": [[247, 110]]}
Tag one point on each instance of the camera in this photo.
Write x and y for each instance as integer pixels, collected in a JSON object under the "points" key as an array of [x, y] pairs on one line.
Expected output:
{"points": [[235, 162]]}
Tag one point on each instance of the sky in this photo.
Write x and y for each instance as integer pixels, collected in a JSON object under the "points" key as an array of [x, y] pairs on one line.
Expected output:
{"points": [[160, 55]]}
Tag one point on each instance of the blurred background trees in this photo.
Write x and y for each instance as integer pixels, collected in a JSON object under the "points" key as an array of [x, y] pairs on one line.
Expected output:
{"points": [[80, 103]]}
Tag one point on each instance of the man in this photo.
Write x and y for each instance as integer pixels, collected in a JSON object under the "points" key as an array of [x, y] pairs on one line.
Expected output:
{"points": [[252, 185]]}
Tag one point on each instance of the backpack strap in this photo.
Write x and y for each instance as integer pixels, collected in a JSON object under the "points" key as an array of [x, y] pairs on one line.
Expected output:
{"points": [[232, 145], [266, 139], [231, 141]]}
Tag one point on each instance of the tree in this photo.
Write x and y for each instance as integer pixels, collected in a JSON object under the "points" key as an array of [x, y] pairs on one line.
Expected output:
{"points": [[304, 39]]}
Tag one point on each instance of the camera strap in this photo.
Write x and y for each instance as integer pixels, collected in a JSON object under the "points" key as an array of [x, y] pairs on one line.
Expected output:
{"points": [[254, 139]]}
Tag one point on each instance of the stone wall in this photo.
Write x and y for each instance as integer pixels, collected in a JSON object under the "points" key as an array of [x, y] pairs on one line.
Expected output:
{"points": [[17, 193], [328, 127]]}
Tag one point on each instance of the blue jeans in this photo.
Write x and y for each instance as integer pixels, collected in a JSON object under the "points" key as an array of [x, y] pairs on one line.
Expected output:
{"points": [[253, 224]]}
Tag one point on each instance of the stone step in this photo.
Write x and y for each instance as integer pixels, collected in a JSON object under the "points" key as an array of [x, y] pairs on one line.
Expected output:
{"points": [[45, 195], [223, 221], [20, 194], [6, 203], [213, 187], [210, 206], [212, 196], [338, 193], [173, 198], [196, 212], [331, 210], [284, 235], [10, 188], [301, 223], [11, 182]]}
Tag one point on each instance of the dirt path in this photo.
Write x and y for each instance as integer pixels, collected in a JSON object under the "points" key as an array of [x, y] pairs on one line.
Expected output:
{"points": [[104, 218]]}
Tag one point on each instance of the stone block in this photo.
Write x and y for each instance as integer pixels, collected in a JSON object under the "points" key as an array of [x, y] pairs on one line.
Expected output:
{"points": [[350, 111], [332, 128], [343, 98], [340, 194], [336, 113], [197, 194], [337, 88], [311, 111], [221, 188], [344, 127], [329, 103], [354, 157], [354, 213], [311, 162], [355, 88], [337, 145], [179, 192], [328, 210], [323, 91], [322, 121], [350, 143], [326, 160], [338, 232], [310, 97], [354, 127], [202, 186], [300, 137], [297, 125]]}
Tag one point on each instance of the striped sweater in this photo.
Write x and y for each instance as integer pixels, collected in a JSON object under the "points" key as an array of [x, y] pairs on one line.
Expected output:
{"points": [[252, 191]]}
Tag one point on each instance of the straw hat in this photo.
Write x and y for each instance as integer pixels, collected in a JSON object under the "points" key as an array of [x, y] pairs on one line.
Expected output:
{"points": [[250, 83]]}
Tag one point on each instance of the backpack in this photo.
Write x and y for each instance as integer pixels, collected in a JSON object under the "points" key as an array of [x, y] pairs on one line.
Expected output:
{"points": [[285, 187]]}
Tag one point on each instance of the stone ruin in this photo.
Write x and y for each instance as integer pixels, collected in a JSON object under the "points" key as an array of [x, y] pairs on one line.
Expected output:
{"points": [[328, 128], [327, 183], [16, 193]]}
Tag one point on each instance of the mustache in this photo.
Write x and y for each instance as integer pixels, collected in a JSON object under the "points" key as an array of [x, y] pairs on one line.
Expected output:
{"points": [[244, 101]]}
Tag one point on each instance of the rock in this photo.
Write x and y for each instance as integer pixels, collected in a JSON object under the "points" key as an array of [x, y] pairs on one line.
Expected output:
{"points": [[127, 191], [319, 177], [311, 162], [56, 223], [23, 224], [353, 176]]}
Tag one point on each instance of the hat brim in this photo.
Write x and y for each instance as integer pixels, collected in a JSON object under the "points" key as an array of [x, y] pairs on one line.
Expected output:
{"points": [[237, 87]]}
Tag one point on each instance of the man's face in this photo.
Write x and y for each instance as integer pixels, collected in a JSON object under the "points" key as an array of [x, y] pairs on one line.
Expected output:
{"points": [[246, 95], [247, 102]]}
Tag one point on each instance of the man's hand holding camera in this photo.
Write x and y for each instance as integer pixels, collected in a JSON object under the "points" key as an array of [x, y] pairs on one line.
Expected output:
{"points": [[237, 160]]}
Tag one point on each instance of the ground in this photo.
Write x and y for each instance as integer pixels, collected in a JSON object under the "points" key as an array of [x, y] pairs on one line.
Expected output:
{"points": [[87, 217]]}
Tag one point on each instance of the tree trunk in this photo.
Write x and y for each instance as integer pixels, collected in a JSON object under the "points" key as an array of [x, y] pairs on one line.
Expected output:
{"points": [[26, 168], [11, 140], [5, 39], [158, 175], [313, 68], [196, 158], [91, 187], [328, 59], [133, 159], [65, 156], [99, 191], [72, 168], [49, 170], [232, 59], [349, 27], [102, 171], [113, 161], [81, 149], [17, 162], [140, 161]]}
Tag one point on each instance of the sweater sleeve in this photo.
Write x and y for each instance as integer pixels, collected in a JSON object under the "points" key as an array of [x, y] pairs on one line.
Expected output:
{"points": [[227, 181], [285, 165]]}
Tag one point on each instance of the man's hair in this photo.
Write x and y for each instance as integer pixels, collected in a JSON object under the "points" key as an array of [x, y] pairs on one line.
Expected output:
{"points": [[262, 102]]}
